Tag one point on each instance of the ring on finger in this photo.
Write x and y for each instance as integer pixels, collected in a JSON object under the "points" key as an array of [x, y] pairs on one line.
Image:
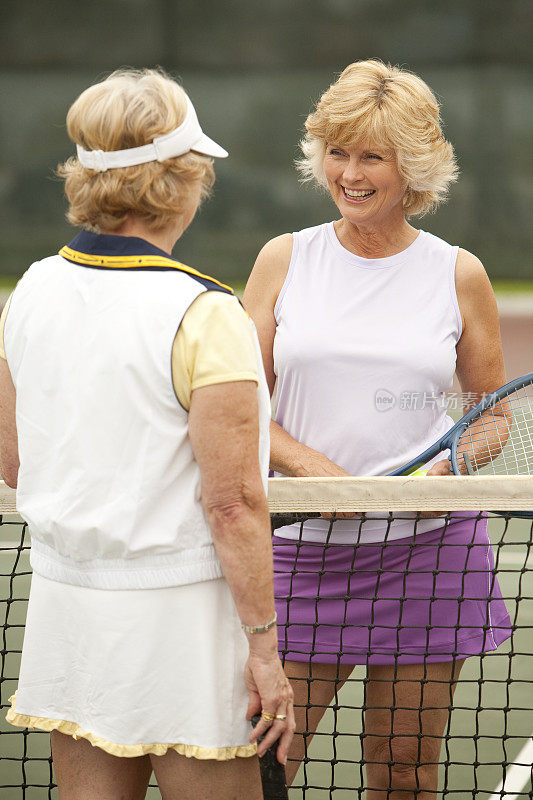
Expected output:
{"points": [[281, 716], [267, 717]]}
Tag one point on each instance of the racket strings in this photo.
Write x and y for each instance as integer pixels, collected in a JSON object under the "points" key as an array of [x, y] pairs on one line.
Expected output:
{"points": [[500, 441]]}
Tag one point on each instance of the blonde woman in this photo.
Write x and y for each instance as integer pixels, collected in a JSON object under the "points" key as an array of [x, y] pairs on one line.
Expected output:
{"points": [[139, 443], [345, 311]]}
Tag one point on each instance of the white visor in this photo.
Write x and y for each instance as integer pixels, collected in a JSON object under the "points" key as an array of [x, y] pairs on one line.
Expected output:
{"points": [[189, 136]]}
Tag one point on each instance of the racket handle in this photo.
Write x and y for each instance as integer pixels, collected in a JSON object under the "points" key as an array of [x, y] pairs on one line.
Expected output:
{"points": [[272, 772], [289, 518]]}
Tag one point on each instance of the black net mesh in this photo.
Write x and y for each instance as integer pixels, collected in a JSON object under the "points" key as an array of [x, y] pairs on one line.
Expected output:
{"points": [[375, 635], [412, 658]]}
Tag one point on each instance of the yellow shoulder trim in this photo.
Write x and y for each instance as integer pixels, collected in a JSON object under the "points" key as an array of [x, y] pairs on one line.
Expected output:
{"points": [[125, 262], [128, 750]]}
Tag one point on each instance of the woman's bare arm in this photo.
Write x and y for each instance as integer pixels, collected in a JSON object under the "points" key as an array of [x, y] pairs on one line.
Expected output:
{"points": [[479, 367], [224, 434], [9, 454], [224, 431], [261, 294]]}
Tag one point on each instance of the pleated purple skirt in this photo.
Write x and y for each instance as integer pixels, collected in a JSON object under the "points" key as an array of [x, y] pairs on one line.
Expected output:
{"points": [[430, 597]]}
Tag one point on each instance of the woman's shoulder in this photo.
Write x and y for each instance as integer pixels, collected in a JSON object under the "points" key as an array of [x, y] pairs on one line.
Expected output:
{"points": [[269, 271], [273, 262], [472, 284], [282, 246], [471, 278], [314, 233], [277, 249], [468, 265], [275, 256], [435, 243], [475, 294]]}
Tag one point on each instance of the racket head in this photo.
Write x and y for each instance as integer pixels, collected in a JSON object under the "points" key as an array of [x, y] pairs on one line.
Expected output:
{"points": [[496, 436]]}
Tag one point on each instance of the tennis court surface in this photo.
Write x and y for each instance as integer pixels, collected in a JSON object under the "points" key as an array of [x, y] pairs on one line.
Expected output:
{"points": [[488, 748]]}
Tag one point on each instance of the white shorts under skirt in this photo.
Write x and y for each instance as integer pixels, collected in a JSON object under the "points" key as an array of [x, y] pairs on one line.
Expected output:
{"points": [[136, 671]]}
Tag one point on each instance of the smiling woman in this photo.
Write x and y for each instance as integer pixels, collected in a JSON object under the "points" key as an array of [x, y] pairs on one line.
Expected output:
{"points": [[346, 312], [391, 110], [364, 180]]}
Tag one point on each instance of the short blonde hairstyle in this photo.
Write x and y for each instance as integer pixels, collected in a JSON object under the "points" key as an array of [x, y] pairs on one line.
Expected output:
{"points": [[129, 109], [389, 107]]}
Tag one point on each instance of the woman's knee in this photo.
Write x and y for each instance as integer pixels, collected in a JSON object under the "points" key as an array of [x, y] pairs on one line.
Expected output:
{"points": [[401, 763]]}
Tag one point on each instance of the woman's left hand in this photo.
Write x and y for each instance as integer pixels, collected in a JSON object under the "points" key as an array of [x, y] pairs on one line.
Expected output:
{"points": [[269, 691], [443, 467]]}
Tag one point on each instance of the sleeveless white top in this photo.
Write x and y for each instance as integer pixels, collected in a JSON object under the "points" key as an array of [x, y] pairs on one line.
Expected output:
{"points": [[108, 482], [364, 353]]}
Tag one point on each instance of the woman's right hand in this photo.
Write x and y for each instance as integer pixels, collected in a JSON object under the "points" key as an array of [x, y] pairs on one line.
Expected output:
{"points": [[312, 464], [269, 692]]}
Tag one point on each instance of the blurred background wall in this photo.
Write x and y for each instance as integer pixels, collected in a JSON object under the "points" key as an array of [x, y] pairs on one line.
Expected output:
{"points": [[254, 70]]}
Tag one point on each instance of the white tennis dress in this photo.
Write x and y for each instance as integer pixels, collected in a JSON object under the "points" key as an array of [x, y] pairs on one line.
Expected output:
{"points": [[132, 638]]}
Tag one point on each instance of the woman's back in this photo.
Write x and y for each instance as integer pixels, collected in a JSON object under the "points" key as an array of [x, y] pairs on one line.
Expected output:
{"points": [[96, 350]]}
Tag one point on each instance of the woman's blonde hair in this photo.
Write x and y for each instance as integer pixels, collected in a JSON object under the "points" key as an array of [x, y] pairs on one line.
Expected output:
{"points": [[129, 109], [391, 108]]}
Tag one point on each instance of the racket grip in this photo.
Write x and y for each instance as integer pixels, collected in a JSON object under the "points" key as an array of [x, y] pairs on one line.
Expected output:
{"points": [[272, 772], [280, 520]]}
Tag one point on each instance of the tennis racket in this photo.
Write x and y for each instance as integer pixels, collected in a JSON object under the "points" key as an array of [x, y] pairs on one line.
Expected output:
{"points": [[493, 438], [272, 772]]}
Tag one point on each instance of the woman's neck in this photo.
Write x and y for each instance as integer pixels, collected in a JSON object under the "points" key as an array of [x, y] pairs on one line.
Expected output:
{"points": [[164, 239], [375, 241]]}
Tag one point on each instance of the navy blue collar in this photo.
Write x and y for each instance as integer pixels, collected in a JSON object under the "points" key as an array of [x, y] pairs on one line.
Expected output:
{"points": [[108, 252], [100, 244]]}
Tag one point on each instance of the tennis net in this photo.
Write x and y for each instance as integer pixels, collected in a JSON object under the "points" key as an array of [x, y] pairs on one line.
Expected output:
{"points": [[404, 610]]}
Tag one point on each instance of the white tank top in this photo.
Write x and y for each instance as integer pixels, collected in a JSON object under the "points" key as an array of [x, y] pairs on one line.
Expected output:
{"points": [[364, 353]]}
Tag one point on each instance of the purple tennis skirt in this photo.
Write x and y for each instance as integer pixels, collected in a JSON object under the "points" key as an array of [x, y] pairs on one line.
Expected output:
{"points": [[430, 597]]}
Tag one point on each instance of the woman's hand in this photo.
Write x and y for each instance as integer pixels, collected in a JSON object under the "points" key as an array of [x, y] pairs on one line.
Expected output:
{"points": [[312, 464], [269, 692], [297, 460], [443, 467]]}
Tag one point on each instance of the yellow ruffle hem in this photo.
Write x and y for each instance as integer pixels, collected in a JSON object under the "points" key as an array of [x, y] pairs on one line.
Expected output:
{"points": [[127, 750]]}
